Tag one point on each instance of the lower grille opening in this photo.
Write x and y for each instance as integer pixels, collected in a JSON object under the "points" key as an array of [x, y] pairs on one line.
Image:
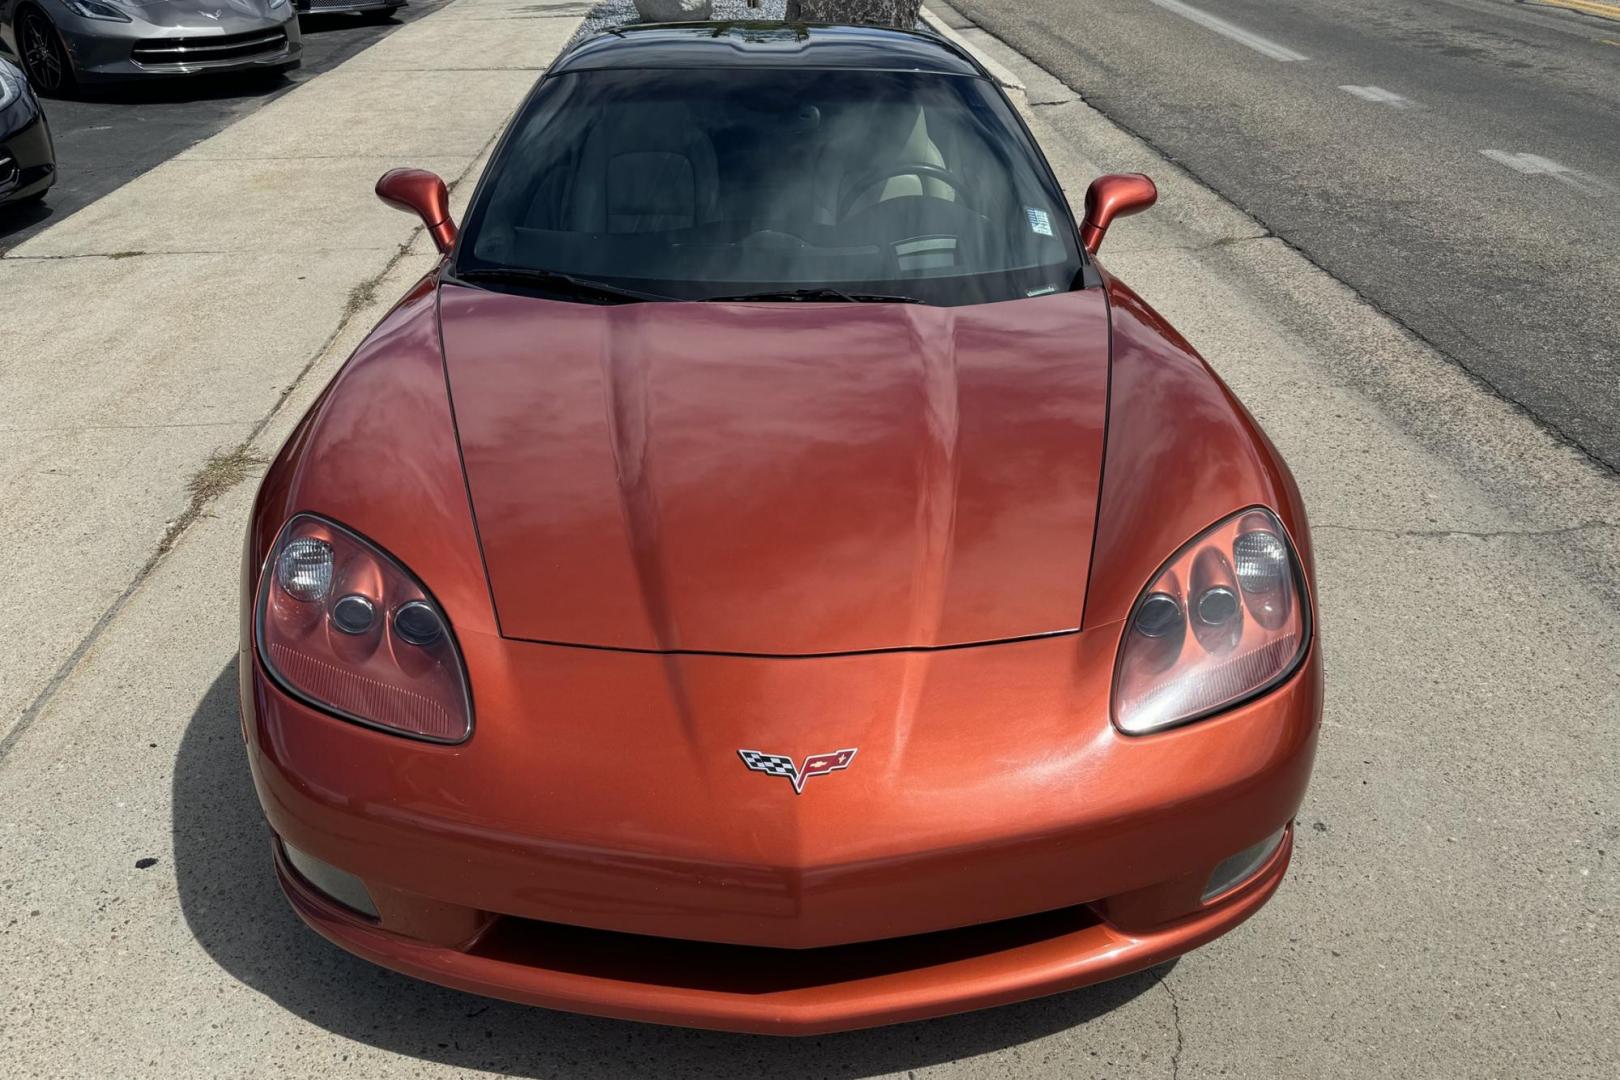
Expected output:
{"points": [[200, 50], [750, 969]]}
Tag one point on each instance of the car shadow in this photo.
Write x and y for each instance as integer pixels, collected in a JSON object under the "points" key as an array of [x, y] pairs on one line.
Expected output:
{"points": [[175, 91], [326, 22], [14, 217], [232, 905]]}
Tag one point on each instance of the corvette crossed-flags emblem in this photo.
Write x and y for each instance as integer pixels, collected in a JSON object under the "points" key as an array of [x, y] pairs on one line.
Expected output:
{"points": [[814, 765]]}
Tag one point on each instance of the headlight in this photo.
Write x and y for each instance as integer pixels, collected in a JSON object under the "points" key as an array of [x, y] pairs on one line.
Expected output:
{"points": [[97, 9], [10, 88], [343, 626], [274, 4], [1223, 621]]}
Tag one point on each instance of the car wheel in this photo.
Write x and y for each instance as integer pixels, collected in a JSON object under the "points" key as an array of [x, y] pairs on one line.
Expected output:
{"points": [[43, 58]]}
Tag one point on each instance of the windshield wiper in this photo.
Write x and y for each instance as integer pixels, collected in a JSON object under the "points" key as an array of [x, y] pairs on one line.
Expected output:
{"points": [[814, 296], [555, 281]]}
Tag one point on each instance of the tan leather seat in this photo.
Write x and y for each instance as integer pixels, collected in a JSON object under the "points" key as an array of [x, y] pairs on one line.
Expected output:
{"points": [[653, 175]]}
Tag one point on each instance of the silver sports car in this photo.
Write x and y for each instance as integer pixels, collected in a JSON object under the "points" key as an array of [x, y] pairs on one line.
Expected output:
{"points": [[65, 42]]}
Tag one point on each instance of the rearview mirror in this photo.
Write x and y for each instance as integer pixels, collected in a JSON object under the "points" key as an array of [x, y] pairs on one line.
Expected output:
{"points": [[422, 193], [1113, 196]]}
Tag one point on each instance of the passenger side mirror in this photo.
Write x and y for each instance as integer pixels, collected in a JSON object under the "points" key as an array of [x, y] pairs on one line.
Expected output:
{"points": [[422, 193], [1114, 196]]}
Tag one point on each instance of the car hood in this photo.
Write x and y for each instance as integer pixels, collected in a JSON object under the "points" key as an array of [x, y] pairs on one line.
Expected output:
{"points": [[780, 479]]}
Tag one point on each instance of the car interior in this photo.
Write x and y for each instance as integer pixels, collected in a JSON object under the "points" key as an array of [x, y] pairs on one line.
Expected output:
{"points": [[787, 176]]}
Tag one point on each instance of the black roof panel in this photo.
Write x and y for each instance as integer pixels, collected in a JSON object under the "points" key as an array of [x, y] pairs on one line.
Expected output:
{"points": [[704, 45]]}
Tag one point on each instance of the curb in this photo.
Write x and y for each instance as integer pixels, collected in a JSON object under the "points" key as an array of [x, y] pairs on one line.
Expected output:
{"points": [[996, 69]]}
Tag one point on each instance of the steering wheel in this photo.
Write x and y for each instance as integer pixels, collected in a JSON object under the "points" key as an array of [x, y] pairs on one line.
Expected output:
{"points": [[889, 172]]}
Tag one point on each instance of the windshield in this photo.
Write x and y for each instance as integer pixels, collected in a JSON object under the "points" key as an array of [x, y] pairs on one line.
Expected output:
{"points": [[701, 184]]}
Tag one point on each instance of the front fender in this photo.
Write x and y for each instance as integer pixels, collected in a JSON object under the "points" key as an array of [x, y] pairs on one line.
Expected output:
{"points": [[1182, 453]]}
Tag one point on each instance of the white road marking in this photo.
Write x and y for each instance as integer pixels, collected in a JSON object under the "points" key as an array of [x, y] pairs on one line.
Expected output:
{"points": [[1264, 46], [1378, 94], [1536, 165]]}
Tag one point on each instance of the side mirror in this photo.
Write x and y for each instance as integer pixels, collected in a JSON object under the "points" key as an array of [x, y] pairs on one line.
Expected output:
{"points": [[422, 193], [1113, 196]]}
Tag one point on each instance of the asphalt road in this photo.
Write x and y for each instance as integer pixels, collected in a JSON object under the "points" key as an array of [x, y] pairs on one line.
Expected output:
{"points": [[118, 132], [1383, 138]]}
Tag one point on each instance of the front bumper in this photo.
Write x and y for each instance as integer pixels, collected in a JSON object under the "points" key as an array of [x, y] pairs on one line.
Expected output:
{"points": [[27, 158], [604, 850], [779, 991], [139, 51]]}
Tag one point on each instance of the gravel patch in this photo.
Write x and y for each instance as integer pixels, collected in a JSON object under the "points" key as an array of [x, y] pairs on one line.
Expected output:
{"points": [[609, 14]]}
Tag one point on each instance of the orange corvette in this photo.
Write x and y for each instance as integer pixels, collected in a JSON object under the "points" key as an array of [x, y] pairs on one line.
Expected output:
{"points": [[769, 576]]}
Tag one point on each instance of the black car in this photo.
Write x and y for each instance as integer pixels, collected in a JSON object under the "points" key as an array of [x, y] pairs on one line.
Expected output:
{"points": [[27, 158]]}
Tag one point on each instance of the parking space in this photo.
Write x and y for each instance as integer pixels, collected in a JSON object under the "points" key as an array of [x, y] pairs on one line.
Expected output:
{"points": [[112, 134]]}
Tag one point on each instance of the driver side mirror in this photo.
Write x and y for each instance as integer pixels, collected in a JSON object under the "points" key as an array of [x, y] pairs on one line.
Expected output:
{"points": [[422, 193], [1113, 196]]}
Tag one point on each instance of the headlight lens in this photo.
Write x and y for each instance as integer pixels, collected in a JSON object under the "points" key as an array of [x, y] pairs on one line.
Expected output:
{"points": [[274, 4], [348, 629], [304, 569], [1224, 620], [10, 87], [97, 9]]}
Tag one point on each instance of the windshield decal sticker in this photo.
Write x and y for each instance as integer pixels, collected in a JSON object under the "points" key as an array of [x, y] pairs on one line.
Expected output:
{"points": [[1040, 222]]}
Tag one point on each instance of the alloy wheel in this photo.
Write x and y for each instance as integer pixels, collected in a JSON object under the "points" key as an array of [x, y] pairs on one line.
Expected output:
{"points": [[42, 55]]}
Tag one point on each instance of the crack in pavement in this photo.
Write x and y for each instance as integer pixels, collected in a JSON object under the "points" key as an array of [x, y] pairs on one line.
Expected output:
{"points": [[1175, 1017], [1228, 241], [1149, 248], [1194, 249], [1471, 534]]}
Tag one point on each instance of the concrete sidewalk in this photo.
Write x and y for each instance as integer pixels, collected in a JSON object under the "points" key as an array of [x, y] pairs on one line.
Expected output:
{"points": [[161, 326], [1452, 909]]}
